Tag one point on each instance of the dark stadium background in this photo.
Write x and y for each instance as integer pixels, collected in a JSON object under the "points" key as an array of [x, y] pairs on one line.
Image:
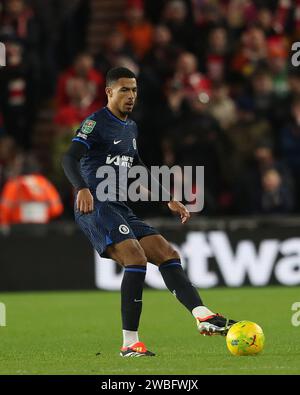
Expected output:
{"points": [[217, 88]]}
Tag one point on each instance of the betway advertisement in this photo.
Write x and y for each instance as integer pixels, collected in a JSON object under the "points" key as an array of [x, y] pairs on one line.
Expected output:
{"points": [[223, 258], [59, 257]]}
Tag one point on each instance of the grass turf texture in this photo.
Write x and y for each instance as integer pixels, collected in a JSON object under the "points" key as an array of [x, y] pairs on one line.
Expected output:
{"points": [[61, 333]]}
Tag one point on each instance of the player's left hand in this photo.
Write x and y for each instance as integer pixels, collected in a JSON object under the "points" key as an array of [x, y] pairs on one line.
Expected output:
{"points": [[180, 208]]}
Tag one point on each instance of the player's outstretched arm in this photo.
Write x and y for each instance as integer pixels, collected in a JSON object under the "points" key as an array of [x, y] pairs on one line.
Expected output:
{"points": [[173, 204], [70, 164]]}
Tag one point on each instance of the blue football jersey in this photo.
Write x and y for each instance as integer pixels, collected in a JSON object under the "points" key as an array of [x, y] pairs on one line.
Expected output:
{"points": [[111, 145]]}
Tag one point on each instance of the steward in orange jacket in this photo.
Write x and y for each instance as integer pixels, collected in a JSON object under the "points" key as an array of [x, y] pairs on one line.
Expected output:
{"points": [[29, 199]]}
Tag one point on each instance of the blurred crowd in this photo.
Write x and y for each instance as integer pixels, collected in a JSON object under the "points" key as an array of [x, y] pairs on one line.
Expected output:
{"points": [[216, 88]]}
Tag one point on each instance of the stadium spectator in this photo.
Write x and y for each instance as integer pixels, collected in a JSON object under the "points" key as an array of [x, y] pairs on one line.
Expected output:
{"points": [[192, 81], [221, 106], [72, 21], [275, 198], [294, 83], [240, 14], [113, 47], [80, 104], [173, 111], [263, 95], [18, 21], [290, 138], [198, 140], [83, 67], [136, 29], [245, 134], [290, 144], [253, 51], [29, 197], [282, 106], [265, 20], [277, 63], [207, 13], [175, 17], [161, 58], [19, 92], [215, 55], [281, 16], [174, 104], [265, 184]]}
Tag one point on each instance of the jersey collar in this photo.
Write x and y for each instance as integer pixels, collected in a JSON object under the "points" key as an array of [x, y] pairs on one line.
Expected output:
{"points": [[111, 115]]}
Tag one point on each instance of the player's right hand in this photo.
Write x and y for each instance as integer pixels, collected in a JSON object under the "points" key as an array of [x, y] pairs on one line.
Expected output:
{"points": [[180, 208], [85, 201]]}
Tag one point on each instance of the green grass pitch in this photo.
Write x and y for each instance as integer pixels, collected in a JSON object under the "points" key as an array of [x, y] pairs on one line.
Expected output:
{"points": [[61, 333]]}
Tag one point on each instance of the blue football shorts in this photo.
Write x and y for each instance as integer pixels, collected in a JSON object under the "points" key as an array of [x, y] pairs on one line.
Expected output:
{"points": [[111, 222]]}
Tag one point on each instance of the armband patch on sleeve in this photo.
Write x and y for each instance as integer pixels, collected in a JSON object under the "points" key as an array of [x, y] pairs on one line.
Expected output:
{"points": [[82, 135]]}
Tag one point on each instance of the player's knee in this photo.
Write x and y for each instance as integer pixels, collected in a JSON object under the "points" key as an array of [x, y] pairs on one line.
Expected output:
{"points": [[135, 256], [172, 253], [168, 253]]}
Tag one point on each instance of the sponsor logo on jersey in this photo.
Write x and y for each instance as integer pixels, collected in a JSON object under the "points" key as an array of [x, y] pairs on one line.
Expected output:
{"points": [[88, 126], [117, 141], [119, 160], [134, 143]]}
